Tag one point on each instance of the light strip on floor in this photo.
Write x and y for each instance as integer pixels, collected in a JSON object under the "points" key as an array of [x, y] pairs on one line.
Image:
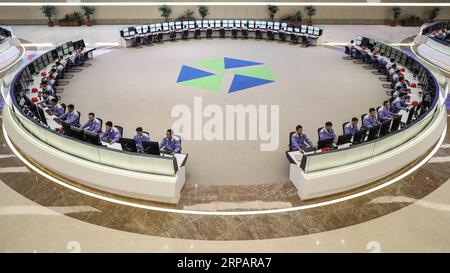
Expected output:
{"points": [[318, 4], [224, 213]]}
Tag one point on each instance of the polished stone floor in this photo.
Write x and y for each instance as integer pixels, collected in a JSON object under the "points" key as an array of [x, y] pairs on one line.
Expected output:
{"points": [[410, 215]]}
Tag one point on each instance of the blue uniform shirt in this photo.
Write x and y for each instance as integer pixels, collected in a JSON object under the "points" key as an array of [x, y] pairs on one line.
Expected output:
{"points": [[370, 121], [172, 145], [384, 114], [57, 110], [47, 102], [398, 105], [325, 134], [139, 140], [70, 118], [350, 129], [92, 126], [298, 142], [112, 135]]}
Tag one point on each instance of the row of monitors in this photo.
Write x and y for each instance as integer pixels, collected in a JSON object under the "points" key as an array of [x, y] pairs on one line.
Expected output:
{"points": [[131, 31], [400, 57], [44, 60], [437, 26]]}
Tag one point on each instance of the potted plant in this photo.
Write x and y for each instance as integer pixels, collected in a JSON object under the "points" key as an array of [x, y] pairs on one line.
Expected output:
{"points": [[310, 11], [434, 13], [166, 11], [396, 11], [203, 11], [88, 12], [411, 20], [297, 17], [49, 12], [71, 20], [272, 11], [189, 14]]}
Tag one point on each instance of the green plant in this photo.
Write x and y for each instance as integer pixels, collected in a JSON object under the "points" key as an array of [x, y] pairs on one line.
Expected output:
{"points": [[272, 11], [48, 11], [166, 11], [310, 11], [297, 16], [88, 11], [203, 11], [411, 20], [396, 12], [434, 12], [189, 14]]}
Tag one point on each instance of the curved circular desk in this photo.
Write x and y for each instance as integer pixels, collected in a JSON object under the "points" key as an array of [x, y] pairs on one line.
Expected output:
{"points": [[161, 178]]}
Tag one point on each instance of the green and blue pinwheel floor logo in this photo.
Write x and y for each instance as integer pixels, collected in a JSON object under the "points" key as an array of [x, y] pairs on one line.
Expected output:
{"points": [[246, 74]]}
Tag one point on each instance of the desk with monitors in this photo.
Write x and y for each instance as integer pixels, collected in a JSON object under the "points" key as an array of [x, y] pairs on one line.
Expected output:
{"points": [[129, 34]]}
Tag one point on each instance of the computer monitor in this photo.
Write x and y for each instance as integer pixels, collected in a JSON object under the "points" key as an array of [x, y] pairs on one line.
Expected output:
{"points": [[237, 23], [178, 25], [276, 26], [244, 23], [77, 132], [138, 29], [270, 25], [251, 24], [92, 138], [290, 29], [165, 26], [303, 28], [325, 143], [225, 23], [297, 30], [152, 27], [185, 24], [230, 23], [128, 145], [218, 23], [284, 26], [145, 29], [358, 40], [385, 127], [41, 115], [198, 23], [396, 123], [373, 132], [344, 139], [263, 24], [151, 147], [310, 30], [191, 24], [359, 136]]}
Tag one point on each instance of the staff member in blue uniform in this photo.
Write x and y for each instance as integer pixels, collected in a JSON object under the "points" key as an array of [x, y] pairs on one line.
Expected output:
{"points": [[327, 132], [56, 108], [371, 119], [46, 99], [384, 112], [92, 125], [139, 137], [352, 127], [71, 116], [111, 134], [299, 140], [170, 144], [400, 103]]}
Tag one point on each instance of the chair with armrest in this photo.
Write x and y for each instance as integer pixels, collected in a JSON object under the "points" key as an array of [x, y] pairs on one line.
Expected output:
{"points": [[318, 132]]}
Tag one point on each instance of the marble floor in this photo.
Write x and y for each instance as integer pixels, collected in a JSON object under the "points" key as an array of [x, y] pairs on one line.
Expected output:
{"points": [[37, 215]]}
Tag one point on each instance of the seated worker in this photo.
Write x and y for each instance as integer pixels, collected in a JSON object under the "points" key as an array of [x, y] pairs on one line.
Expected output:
{"points": [[400, 103], [370, 119], [170, 144], [111, 134], [384, 112], [50, 80], [351, 47], [47, 88], [139, 137], [299, 140], [46, 99], [71, 116], [403, 84], [327, 132], [92, 125], [352, 127], [56, 108]]}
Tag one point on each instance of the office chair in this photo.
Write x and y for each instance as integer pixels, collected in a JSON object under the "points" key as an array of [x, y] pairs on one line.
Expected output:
{"points": [[343, 126], [270, 35], [145, 132], [120, 128], [137, 42], [282, 36], [173, 35], [378, 108], [222, 33], [244, 33], [234, 33], [294, 38], [63, 105], [318, 132], [258, 34], [184, 34], [290, 140], [101, 123], [78, 119], [159, 37], [209, 33], [197, 33], [305, 41], [179, 137]]}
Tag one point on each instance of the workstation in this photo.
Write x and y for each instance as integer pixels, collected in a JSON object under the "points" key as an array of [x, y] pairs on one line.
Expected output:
{"points": [[158, 32]]}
